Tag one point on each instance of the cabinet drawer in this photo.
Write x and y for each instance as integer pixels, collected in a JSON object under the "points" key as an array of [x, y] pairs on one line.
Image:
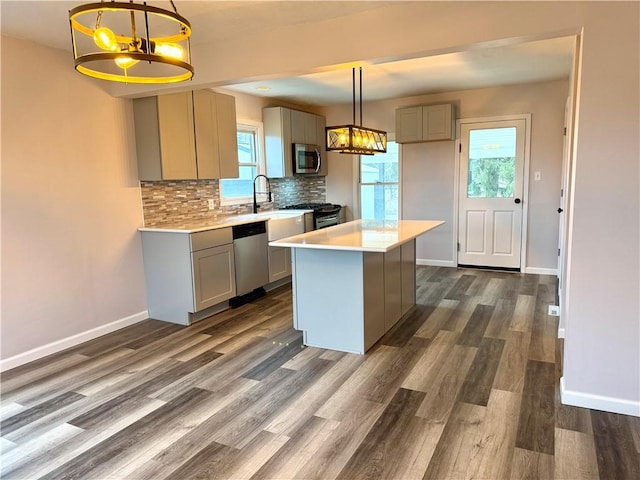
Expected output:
{"points": [[211, 238]]}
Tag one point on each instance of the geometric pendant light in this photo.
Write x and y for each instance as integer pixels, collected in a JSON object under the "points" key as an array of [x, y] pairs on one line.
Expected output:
{"points": [[356, 139]]}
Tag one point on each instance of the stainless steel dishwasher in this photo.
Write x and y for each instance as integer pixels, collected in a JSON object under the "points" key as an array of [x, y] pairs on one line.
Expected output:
{"points": [[251, 260]]}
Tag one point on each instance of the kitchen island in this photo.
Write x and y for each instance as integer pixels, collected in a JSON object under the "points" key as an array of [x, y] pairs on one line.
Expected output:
{"points": [[352, 282]]}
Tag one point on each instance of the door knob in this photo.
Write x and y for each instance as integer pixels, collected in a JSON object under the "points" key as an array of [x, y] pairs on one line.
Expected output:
{"points": [[517, 200], [560, 210]]}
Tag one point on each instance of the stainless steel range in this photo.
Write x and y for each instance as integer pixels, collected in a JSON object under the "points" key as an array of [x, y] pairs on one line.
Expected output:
{"points": [[324, 214]]}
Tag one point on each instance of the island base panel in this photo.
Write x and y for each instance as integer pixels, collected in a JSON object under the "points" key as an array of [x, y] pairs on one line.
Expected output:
{"points": [[392, 287], [339, 298], [408, 269]]}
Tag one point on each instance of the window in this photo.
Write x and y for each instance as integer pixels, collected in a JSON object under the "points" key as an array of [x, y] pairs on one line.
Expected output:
{"points": [[379, 175], [251, 163]]}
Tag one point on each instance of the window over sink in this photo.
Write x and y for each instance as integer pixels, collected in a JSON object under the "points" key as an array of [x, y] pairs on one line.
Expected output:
{"points": [[251, 163]]}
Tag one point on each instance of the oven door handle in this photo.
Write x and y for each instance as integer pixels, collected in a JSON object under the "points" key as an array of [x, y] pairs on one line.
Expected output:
{"points": [[324, 221]]}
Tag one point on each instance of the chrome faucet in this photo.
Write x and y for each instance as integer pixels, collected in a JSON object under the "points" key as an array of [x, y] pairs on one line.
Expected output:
{"points": [[255, 202]]}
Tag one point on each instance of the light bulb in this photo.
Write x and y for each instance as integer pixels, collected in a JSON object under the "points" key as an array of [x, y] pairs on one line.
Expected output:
{"points": [[125, 62], [105, 39], [171, 50]]}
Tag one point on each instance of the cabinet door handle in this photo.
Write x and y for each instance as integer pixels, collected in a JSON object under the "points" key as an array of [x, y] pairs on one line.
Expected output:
{"points": [[517, 200], [560, 210]]}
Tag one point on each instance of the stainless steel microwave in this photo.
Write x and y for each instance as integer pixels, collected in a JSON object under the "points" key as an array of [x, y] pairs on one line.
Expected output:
{"points": [[306, 159]]}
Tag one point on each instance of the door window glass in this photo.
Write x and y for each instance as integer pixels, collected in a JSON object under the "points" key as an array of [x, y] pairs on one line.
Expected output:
{"points": [[492, 163]]}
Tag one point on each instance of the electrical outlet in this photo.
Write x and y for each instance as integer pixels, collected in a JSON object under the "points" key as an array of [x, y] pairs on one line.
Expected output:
{"points": [[554, 310], [211, 203], [537, 176]]}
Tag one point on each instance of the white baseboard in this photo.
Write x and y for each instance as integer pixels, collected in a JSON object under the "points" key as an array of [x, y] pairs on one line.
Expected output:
{"points": [[435, 263], [598, 402], [72, 341], [541, 271], [451, 263], [560, 332]]}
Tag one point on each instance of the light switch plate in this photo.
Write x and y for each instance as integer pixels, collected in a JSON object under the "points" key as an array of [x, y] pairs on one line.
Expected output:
{"points": [[212, 204]]}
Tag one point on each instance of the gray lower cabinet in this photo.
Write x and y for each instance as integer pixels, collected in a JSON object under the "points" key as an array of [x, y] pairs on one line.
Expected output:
{"points": [[408, 274], [399, 283], [186, 273], [392, 287], [213, 279], [279, 263]]}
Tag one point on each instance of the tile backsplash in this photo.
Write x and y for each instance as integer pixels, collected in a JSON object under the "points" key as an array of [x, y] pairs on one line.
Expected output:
{"points": [[179, 201]]}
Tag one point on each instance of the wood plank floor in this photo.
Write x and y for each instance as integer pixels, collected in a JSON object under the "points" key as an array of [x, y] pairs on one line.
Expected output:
{"points": [[466, 386]]}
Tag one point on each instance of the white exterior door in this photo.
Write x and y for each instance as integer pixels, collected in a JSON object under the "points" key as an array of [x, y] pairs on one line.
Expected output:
{"points": [[490, 203]]}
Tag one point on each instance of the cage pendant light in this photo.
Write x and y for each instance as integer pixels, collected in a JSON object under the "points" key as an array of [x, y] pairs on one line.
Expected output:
{"points": [[130, 42], [356, 139]]}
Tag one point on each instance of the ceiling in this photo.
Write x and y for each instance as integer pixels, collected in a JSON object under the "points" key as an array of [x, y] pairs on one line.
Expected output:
{"points": [[478, 68], [46, 23]]}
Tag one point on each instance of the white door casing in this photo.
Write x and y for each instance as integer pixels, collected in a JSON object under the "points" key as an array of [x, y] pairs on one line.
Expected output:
{"points": [[563, 204], [491, 212]]}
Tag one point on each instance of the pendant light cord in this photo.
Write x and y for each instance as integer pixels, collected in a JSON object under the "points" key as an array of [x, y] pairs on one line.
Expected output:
{"points": [[353, 75], [360, 96], [353, 103]]}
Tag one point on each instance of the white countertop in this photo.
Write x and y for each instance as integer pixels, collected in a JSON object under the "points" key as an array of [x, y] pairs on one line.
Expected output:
{"points": [[194, 226], [361, 235]]}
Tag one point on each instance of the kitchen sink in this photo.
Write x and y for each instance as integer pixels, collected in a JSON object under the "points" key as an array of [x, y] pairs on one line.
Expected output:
{"points": [[281, 223]]}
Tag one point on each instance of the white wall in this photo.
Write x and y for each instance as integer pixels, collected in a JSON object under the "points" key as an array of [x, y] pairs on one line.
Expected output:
{"points": [[71, 257], [602, 338], [428, 169], [428, 194]]}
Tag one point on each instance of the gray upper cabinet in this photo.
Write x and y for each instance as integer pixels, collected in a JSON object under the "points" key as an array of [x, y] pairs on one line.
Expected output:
{"points": [[305, 128], [186, 136], [409, 125], [277, 141], [425, 123], [299, 126], [321, 123], [165, 139], [216, 134], [282, 128]]}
